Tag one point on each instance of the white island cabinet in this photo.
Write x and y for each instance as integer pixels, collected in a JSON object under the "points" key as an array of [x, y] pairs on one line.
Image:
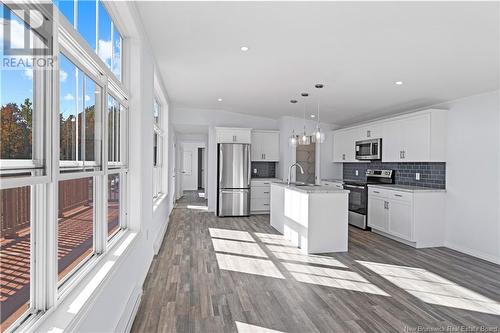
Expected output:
{"points": [[313, 218]]}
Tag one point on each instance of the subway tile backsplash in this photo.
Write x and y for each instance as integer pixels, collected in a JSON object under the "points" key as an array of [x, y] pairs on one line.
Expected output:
{"points": [[432, 174], [263, 169]]}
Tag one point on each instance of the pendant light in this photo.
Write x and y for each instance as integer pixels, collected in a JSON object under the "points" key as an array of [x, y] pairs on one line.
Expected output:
{"points": [[304, 139], [319, 136], [292, 141]]}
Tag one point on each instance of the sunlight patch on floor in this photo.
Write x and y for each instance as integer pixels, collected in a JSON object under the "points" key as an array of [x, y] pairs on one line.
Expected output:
{"points": [[335, 278], [273, 239], [434, 289], [237, 247], [231, 234], [197, 207], [284, 249], [255, 266], [248, 328], [309, 259]]}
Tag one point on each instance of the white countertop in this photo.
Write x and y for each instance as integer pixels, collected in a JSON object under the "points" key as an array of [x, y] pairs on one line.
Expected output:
{"points": [[406, 188], [311, 188], [265, 179], [336, 180]]}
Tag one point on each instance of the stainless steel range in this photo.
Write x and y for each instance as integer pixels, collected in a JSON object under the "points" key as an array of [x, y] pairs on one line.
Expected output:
{"points": [[358, 195]]}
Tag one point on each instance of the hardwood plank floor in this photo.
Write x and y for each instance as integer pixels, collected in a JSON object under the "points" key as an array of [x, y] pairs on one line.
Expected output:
{"points": [[256, 278]]}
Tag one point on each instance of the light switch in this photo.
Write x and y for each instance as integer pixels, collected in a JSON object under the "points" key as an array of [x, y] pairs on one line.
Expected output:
{"points": [[417, 176]]}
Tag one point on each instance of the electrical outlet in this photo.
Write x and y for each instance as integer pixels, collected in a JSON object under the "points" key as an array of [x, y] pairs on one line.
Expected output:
{"points": [[254, 170], [417, 176], [357, 172]]}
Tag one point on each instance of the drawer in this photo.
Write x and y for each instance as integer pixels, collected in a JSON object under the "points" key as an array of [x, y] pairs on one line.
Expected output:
{"points": [[260, 204], [261, 192], [400, 195], [391, 194], [258, 183], [378, 192]]}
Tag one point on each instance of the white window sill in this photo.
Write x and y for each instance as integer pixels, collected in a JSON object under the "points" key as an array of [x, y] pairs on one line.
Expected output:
{"points": [[75, 301], [158, 200]]}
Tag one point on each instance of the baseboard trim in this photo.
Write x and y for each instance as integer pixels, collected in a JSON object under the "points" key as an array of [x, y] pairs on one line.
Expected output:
{"points": [[474, 253], [127, 319], [159, 239]]}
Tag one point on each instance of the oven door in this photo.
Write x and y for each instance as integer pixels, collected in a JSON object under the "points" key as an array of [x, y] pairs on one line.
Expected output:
{"points": [[357, 198]]}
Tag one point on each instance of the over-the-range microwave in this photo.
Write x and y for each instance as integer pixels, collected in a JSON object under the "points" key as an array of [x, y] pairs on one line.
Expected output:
{"points": [[369, 149]]}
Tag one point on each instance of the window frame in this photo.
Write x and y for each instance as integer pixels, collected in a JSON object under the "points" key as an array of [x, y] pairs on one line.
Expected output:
{"points": [[46, 290]]}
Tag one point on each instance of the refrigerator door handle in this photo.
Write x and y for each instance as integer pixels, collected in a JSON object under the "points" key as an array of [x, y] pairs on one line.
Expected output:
{"points": [[221, 160], [249, 165]]}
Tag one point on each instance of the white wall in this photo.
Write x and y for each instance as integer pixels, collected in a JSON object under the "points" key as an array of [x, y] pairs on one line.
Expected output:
{"points": [[473, 176]]}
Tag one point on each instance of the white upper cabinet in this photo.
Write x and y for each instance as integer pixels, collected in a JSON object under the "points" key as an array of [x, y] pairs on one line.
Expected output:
{"points": [[233, 135], [408, 140], [371, 131], [416, 137], [265, 146], [344, 145]]}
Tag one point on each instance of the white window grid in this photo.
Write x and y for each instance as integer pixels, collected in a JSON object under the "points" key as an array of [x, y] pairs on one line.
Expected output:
{"points": [[43, 172]]}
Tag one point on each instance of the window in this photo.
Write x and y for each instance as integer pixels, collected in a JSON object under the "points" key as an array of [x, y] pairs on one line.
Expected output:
{"points": [[79, 119], [157, 150], [93, 17], [21, 131], [73, 208], [113, 204], [75, 230], [15, 240]]}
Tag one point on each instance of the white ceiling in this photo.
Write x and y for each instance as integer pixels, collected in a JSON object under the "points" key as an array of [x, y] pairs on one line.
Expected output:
{"points": [[440, 50]]}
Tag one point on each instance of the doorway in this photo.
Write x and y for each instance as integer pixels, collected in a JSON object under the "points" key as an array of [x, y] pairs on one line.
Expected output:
{"points": [[201, 168]]}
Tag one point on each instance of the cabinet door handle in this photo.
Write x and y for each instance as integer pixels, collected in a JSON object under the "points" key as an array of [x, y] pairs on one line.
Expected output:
{"points": [[266, 192], [234, 138], [264, 156], [398, 195], [376, 192], [266, 183], [266, 204], [368, 134], [387, 204]]}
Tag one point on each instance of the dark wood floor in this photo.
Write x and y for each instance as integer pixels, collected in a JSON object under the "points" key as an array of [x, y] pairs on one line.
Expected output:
{"points": [[238, 275]]}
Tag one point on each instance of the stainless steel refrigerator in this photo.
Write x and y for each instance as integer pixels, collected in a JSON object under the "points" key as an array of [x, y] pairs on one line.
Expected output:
{"points": [[233, 197]]}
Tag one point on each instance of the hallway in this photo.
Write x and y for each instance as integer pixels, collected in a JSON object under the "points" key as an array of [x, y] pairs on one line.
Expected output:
{"points": [[238, 275]]}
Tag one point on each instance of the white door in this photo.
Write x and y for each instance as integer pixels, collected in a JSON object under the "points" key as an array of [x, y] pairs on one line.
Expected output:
{"points": [[189, 176], [377, 213], [400, 219]]}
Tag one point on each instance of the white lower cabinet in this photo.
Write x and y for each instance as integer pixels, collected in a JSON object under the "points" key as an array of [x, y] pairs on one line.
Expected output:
{"points": [[260, 196], [379, 215], [414, 218]]}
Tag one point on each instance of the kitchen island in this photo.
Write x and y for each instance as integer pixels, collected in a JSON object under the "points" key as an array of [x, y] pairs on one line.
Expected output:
{"points": [[313, 218]]}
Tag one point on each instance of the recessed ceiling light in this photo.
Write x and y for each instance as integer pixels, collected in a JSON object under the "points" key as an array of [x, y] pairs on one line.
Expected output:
{"points": [[244, 48], [219, 99], [313, 116], [398, 83]]}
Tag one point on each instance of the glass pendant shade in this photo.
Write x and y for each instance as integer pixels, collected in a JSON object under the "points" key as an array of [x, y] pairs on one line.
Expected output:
{"points": [[292, 141], [304, 139], [319, 135]]}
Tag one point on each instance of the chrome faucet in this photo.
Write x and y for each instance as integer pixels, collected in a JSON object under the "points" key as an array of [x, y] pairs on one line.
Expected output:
{"points": [[290, 170]]}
